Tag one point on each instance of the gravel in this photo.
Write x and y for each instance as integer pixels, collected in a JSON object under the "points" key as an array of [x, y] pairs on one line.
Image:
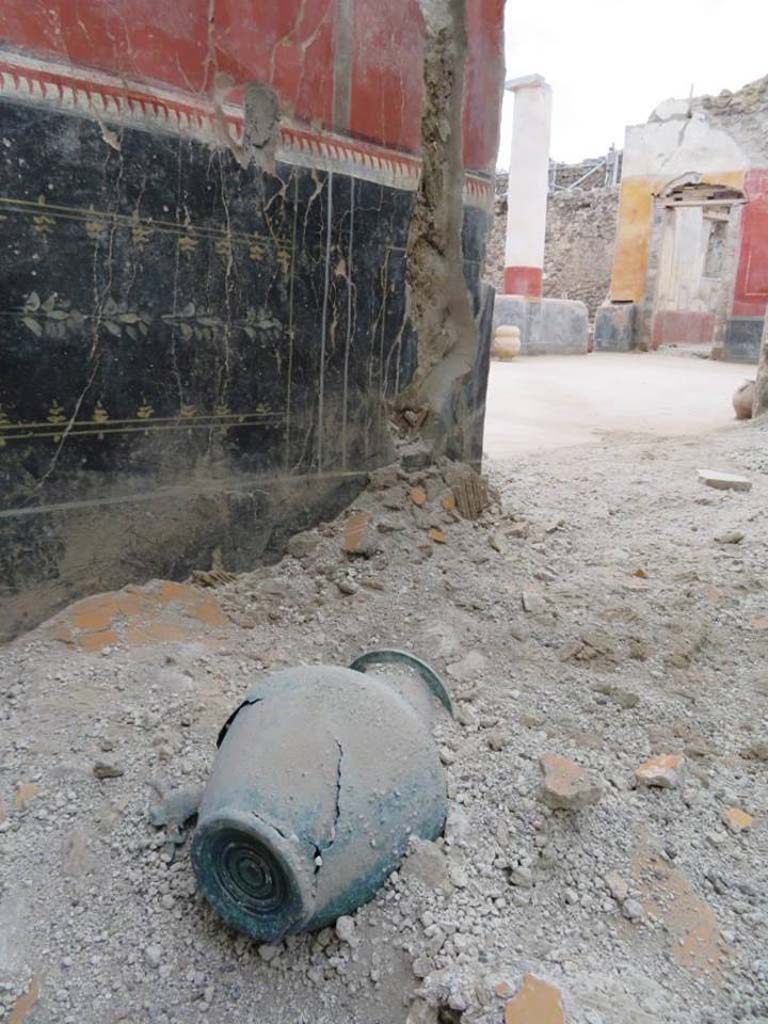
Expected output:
{"points": [[641, 909]]}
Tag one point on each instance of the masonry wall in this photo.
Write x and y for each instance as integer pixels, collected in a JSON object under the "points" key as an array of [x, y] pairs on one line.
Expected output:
{"points": [[580, 240], [206, 211], [722, 140]]}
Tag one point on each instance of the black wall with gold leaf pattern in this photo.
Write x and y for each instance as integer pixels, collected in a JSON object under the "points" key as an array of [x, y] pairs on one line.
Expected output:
{"points": [[194, 355]]}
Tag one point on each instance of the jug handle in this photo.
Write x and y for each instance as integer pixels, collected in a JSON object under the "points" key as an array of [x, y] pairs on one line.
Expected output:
{"points": [[390, 656]]}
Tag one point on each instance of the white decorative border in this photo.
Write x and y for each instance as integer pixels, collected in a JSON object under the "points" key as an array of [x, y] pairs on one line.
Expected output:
{"points": [[97, 94]]}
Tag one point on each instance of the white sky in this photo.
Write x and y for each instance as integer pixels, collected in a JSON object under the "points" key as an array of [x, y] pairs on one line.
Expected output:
{"points": [[610, 62]]}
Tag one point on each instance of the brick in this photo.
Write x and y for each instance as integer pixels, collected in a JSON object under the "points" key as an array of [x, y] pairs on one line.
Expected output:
{"points": [[537, 1002], [566, 785], [724, 481], [664, 771]]}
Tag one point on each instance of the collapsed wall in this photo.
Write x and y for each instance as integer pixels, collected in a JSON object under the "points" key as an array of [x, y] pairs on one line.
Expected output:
{"points": [[205, 276]]}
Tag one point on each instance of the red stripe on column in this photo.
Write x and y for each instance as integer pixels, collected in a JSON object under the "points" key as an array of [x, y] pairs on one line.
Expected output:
{"points": [[523, 281]]}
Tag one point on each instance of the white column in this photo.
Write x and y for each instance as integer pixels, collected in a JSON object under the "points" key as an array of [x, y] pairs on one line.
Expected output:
{"points": [[528, 186]]}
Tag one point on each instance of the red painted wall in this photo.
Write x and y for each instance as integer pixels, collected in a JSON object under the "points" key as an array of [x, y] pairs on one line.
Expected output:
{"points": [[289, 44], [484, 82], [751, 295], [387, 81], [682, 327]]}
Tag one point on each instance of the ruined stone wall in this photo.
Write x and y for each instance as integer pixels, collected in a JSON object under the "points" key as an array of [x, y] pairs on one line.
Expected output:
{"points": [[578, 255]]}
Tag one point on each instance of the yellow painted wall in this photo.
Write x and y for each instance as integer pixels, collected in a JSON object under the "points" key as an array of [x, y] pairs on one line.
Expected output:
{"points": [[634, 230]]}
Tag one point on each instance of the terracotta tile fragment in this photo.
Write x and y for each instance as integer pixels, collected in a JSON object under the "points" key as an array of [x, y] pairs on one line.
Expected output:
{"points": [[25, 792], [418, 496], [567, 785], [663, 771], [99, 640], [209, 612], [688, 922], [25, 1003], [537, 1002], [438, 536], [736, 819], [448, 502], [355, 532]]}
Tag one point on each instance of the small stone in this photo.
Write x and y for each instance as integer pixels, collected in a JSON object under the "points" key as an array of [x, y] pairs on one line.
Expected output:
{"points": [[466, 715], [724, 481], [390, 524], [426, 865], [421, 968], [533, 603], [153, 955], [632, 910], [736, 819], [470, 666], [177, 807], [418, 496], [346, 930], [566, 785], [268, 953], [498, 542], [522, 877], [106, 745], [459, 876], [438, 536], [537, 1002], [302, 545], [617, 887], [664, 771], [498, 739], [731, 537], [102, 770], [624, 698], [520, 632], [347, 587]]}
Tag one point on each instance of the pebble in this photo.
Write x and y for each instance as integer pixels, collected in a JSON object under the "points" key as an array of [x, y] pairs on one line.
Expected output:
{"points": [[153, 955], [346, 930], [102, 770], [632, 910], [731, 537], [617, 887]]}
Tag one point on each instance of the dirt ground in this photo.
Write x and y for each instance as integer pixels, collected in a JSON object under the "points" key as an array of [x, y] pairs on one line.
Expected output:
{"points": [[548, 402], [607, 608]]}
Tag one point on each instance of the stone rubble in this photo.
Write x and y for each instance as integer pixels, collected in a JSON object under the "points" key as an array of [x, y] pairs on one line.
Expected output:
{"points": [[642, 906]]}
